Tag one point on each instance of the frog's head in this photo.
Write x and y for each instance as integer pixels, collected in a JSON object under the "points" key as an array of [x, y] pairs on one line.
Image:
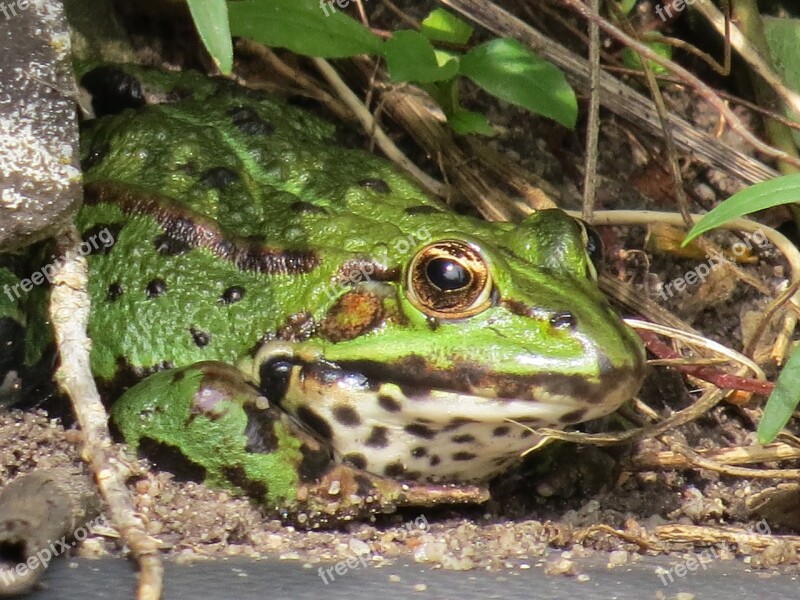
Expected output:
{"points": [[442, 372]]}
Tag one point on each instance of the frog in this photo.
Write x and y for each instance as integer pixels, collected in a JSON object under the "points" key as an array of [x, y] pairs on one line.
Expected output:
{"points": [[292, 318]]}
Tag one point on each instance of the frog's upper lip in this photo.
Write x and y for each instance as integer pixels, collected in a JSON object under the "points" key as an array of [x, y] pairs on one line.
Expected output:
{"points": [[416, 378]]}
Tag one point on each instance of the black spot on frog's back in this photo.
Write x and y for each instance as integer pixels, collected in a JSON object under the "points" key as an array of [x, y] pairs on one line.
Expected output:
{"points": [[167, 245], [156, 287], [201, 338], [576, 416], [422, 210], [301, 206], [249, 122], [375, 184], [232, 295], [115, 290], [457, 422], [100, 238], [219, 178]]}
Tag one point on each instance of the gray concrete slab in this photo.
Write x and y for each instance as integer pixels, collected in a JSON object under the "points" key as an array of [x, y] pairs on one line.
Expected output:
{"points": [[278, 580]]}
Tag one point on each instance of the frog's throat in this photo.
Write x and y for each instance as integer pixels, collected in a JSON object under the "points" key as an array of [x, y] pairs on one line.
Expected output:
{"points": [[457, 432], [543, 399]]}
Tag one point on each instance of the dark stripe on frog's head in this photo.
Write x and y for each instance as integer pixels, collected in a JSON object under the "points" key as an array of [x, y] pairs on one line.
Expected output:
{"points": [[417, 378], [184, 227]]}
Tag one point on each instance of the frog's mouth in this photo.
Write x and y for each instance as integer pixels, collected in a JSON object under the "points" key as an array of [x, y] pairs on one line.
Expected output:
{"points": [[412, 422]]}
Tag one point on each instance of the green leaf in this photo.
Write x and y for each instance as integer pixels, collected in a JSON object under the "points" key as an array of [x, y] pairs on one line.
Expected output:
{"points": [[410, 57], [442, 26], [306, 27], [632, 60], [444, 56], [466, 121], [759, 196], [508, 70], [626, 6], [782, 401], [211, 20]]}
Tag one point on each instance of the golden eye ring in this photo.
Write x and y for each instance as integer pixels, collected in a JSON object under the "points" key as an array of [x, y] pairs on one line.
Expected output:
{"points": [[449, 279]]}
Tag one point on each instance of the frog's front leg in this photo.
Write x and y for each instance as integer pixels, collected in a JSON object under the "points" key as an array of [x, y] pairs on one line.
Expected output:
{"points": [[205, 422]]}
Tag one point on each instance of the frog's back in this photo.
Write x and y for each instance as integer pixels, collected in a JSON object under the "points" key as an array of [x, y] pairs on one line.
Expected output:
{"points": [[257, 166], [233, 215]]}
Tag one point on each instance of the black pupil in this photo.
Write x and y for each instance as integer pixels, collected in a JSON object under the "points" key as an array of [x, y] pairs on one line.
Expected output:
{"points": [[447, 274]]}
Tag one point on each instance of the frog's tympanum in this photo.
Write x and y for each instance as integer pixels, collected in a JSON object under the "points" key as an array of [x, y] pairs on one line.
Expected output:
{"points": [[299, 321]]}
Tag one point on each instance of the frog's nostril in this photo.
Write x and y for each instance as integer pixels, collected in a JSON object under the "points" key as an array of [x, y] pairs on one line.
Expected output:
{"points": [[563, 320]]}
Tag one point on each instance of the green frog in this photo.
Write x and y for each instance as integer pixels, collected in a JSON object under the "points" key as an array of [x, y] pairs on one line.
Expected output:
{"points": [[298, 321]]}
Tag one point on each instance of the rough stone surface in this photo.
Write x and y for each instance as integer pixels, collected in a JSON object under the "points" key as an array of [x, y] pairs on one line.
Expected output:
{"points": [[39, 174]]}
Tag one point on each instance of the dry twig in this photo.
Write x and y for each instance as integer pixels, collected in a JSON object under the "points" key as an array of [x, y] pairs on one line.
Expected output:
{"points": [[69, 313]]}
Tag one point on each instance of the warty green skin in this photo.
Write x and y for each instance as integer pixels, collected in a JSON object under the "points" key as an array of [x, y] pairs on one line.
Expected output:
{"points": [[184, 187]]}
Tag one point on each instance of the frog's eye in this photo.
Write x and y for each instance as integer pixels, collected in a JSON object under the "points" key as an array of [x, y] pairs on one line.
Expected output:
{"points": [[449, 280], [592, 243]]}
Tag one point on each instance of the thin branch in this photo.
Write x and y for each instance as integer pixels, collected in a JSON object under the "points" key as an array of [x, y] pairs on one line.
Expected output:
{"points": [[593, 125], [69, 313], [386, 145]]}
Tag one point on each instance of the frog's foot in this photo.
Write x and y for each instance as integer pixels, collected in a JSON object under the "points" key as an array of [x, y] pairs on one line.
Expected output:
{"points": [[205, 422], [345, 493]]}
